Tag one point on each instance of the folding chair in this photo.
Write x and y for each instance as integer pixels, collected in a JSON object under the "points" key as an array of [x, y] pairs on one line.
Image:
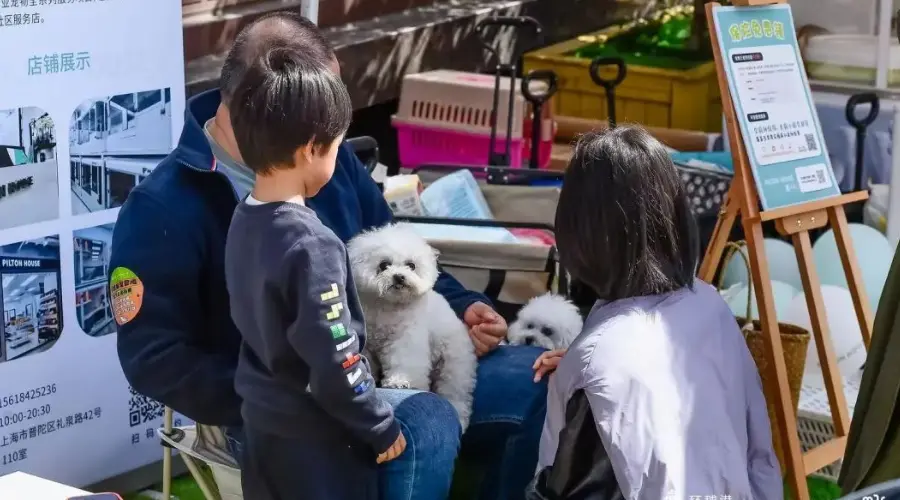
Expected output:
{"points": [[200, 445]]}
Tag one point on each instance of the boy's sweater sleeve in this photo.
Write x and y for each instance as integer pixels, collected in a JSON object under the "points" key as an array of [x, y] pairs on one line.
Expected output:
{"points": [[323, 336], [376, 213]]}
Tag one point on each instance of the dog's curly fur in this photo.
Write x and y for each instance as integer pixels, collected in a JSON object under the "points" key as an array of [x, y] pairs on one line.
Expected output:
{"points": [[415, 339], [548, 321]]}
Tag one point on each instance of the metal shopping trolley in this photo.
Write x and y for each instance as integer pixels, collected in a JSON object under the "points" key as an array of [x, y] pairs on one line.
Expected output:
{"points": [[508, 273]]}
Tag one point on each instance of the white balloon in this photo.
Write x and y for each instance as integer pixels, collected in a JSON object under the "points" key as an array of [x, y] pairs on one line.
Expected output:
{"points": [[843, 329], [782, 265], [874, 254], [737, 299]]}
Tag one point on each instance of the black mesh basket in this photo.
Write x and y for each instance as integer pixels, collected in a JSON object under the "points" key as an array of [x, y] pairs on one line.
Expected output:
{"points": [[706, 188]]}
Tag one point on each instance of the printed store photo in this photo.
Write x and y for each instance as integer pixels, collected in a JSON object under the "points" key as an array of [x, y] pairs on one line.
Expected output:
{"points": [[29, 184], [30, 296], [92, 246], [114, 143]]}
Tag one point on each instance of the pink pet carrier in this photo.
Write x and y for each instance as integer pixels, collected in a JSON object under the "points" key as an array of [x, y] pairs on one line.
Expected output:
{"points": [[445, 118]]}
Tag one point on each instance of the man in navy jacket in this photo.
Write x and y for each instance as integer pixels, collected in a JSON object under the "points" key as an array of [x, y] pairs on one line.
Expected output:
{"points": [[177, 342]]}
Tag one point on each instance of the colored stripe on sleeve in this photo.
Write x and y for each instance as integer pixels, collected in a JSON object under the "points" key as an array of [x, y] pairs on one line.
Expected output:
{"points": [[335, 312], [351, 360], [338, 331], [331, 294], [345, 344]]}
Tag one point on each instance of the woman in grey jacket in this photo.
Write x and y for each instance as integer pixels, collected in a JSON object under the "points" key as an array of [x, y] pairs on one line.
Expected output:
{"points": [[670, 385]]}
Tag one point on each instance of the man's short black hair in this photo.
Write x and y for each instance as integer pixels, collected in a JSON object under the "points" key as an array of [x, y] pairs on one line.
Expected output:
{"points": [[287, 100], [624, 225], [278, 29]]}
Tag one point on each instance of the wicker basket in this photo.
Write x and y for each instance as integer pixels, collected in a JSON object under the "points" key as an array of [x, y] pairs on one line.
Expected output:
{"points": [[794, 342]]}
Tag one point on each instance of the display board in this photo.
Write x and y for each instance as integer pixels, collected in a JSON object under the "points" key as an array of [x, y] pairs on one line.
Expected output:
{"points": [[83, 120], [793, 172], [774, 106]]}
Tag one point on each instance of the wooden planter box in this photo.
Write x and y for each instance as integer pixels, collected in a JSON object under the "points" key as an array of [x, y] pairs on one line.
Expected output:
{"points": [[654, 97]]}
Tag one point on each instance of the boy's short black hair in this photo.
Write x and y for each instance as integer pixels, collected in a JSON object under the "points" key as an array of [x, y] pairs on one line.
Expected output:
{"points": [[624, 225], [285, 101], [277, 29]]}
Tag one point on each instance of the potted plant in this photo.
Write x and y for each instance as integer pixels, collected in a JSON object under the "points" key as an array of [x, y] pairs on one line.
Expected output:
{"points": [[671, 79]]}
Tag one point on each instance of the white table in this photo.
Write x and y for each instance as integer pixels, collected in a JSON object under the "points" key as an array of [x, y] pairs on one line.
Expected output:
{"points": [[22, 486]]}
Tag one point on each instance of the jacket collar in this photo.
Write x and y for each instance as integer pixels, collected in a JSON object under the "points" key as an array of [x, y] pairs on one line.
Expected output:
{"points": [[193, 149]]}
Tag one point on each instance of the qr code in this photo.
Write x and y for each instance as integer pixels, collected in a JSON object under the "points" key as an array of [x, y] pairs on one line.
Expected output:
{"points": [[820, 176], [142, 409], [811, 142]]}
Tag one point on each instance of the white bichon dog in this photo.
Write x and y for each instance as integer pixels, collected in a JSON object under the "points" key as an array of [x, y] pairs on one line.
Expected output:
{"points": [[414, 339], [548, 321]]}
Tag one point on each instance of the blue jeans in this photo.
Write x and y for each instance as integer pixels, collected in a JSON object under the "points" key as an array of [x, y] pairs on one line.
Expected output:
{"points": [[503, 435]]}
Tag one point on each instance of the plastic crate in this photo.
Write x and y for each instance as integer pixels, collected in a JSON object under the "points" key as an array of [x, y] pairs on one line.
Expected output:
{"points": [[445, 117], [679, 99], [814, 424]]}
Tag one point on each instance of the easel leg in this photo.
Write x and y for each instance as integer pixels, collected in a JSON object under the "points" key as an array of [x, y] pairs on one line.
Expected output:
{"points": [[827, 452], [838, 221], [713, 255], [784, 411], [819, 321]]}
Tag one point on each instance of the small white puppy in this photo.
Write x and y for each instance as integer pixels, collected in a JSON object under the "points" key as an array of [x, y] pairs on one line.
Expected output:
{"points": [[414, 339], [548, 321]]}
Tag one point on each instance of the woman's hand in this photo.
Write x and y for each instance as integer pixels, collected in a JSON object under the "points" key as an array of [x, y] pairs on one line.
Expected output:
{"points": [[547, 363]]}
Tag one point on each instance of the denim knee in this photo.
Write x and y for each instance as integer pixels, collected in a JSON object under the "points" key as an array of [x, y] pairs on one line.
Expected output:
{"points": [[424, 470], [431, 426]]}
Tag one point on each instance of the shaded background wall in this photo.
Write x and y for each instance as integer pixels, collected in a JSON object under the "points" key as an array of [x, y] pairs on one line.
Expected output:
{"points": [[378, 41]]}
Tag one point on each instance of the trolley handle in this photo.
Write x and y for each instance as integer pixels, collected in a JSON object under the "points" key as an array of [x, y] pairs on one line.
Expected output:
{"points": [[366, 146], [603, 62], [514, 22], [496, 175], [563, 283], [857, 100], [539, 75], [455, 221]]}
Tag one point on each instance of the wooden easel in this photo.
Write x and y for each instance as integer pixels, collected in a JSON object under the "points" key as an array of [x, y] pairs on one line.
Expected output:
{"points": [[794, 221]]}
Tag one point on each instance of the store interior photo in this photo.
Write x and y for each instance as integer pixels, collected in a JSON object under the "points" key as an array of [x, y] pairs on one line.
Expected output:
{"points": [[114, 143], [29, 185], [92, 247], [30, 296], [467, 114]]}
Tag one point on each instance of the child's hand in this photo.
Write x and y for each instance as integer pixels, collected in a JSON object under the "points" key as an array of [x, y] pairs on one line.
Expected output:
{"points": [[394, 451], [546, 363]]}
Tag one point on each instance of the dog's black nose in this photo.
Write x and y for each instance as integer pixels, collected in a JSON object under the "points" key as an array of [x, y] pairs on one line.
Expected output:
{"points": [[399, 279], [529, 340]]}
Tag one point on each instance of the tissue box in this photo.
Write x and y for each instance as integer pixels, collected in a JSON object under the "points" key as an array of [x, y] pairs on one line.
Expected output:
{"points": [[402, 193]]}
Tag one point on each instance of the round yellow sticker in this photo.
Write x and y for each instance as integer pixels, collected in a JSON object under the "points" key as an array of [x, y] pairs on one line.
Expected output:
{"points": [[126, 294]]}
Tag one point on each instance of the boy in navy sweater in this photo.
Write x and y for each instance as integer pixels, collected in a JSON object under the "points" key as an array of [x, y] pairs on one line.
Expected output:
{"points": [[314, 426]]}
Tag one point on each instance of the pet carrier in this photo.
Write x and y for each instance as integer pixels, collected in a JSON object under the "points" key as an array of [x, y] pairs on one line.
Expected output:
{"points": [[455, 117], [445, 117]]}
